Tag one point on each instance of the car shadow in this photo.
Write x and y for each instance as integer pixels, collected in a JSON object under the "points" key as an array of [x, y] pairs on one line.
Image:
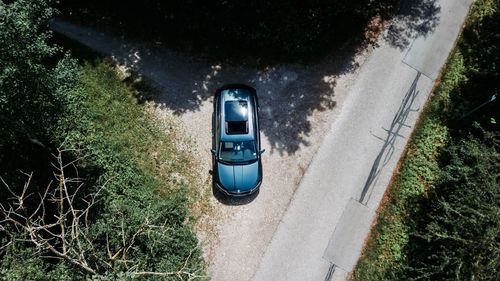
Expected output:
{"points": [[231, 200]]}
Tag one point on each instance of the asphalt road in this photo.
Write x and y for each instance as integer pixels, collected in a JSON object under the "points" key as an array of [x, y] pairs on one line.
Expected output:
{"points": [[322, 233]]}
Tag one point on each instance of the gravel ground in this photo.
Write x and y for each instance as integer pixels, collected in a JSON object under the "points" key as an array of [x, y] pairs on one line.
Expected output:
{"points": [[298, 104]]}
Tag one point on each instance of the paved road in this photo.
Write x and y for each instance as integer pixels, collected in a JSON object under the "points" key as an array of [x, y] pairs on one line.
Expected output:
{"points": [[323, 230]]}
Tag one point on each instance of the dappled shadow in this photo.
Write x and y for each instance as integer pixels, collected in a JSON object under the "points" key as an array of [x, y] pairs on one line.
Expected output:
{"points": [[288, 97], [413, 19], [387, 149], [288, 94]]}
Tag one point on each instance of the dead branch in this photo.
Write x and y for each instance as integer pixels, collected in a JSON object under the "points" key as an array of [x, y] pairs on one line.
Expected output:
{"points": [[64, 243], [65, 233]]}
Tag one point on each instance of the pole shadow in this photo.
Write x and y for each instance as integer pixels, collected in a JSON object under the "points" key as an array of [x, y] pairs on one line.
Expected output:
{"points": [[388, 148]]}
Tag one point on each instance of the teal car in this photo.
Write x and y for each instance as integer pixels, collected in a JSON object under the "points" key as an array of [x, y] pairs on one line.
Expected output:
{"points": [[236, 150]]}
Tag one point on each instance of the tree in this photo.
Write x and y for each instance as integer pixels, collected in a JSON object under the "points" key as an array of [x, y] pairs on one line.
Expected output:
{"points": [[30, 76], [77, 217], [459, 238], [31, 80]]}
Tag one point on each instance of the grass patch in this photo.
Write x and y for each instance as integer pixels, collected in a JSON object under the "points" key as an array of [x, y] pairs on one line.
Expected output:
{"points": [[147, 178], [113, 122]]}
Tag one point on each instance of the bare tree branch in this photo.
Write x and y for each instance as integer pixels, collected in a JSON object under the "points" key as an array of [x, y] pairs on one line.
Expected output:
{"points": [[65, 234]]}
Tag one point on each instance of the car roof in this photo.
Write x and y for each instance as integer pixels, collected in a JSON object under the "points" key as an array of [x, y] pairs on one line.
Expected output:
{"points": [[233, 100]]}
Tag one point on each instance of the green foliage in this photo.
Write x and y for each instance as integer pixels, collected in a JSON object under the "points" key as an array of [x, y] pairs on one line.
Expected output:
{"points": [[28, 83], [441, 220], [119, 140], [48, 102], [31, 80], [480, 46], [454, 75], [459, 235], [21, 262], [420, 173]]}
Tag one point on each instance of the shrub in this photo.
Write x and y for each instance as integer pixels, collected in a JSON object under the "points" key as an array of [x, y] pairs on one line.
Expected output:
{"points": [[48, 104]]}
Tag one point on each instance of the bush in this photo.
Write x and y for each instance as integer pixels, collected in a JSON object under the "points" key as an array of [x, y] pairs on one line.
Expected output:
{"points": [[458, 237], [119, 140], [22, 262], [48, 103]]}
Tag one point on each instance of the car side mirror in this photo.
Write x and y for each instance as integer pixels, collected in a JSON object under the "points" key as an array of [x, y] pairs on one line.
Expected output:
{"points": [[213, 151], [262, 151]]}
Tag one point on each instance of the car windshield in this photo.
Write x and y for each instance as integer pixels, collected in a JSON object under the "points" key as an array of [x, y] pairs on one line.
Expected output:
{"points": [[237, 151]]}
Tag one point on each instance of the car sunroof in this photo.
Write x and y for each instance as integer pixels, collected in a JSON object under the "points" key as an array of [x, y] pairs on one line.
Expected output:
{"points": [[236, 111]]}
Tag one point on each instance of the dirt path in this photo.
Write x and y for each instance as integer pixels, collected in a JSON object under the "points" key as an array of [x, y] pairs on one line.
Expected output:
{"points": [[297, 106]]}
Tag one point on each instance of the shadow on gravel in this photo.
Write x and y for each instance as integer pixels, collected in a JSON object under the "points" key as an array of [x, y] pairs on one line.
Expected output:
{"points": [[264, 44], [235, 201], [259, 31], [288, 94], [412, 20]]}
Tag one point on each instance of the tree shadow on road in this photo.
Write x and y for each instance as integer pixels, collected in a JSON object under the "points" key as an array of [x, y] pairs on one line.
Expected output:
{"points": [[412, 20]]}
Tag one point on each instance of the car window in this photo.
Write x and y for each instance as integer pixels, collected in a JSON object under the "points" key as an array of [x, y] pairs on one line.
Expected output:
{"points": [[236, 110], [238, 151]]}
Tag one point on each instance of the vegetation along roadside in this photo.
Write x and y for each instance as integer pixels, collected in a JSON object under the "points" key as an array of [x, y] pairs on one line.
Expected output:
{"points": [[441, 218], [92, 187]]}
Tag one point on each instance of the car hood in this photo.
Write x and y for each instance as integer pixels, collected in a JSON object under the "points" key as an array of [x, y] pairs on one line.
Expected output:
{"points": [[239, 178]]}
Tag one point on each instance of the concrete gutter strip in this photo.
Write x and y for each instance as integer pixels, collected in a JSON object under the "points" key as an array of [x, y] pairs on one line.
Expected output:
{"points": [[348, 237]]}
